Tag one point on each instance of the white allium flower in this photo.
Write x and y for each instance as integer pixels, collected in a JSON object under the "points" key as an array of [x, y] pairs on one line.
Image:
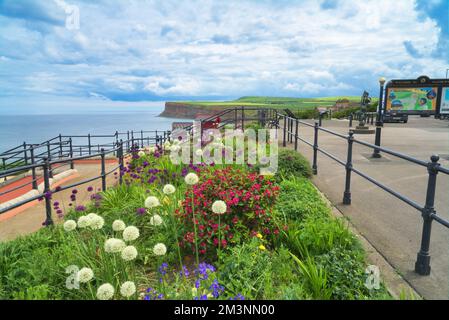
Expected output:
{"points": [[191, 178], [174, 148], [156, 220], [83, 222], [169, 189], [127, 289], [152, 202], [85, 275], [152, 150], [105, 292], [160, 249], [199, 152], [129, 253], [130, 233], [114, 245], [70, 225], [167, 145], [118, 225], [141, 153], [96, 223], [219, 207]]}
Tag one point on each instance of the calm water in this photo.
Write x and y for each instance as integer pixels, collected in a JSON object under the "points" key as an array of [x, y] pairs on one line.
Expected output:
{"points": [[33, 126]]}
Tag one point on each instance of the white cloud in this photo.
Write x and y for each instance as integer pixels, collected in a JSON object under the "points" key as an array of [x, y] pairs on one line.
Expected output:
{"points": [[233, 48]]}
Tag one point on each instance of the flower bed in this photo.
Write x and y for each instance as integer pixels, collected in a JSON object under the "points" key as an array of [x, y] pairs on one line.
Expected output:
{"points": [[190, 232]]}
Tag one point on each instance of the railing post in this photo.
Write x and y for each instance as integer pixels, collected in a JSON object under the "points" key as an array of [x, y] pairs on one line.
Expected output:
{"points": [[60, 146], [25, 156], [72, 164], [296, 134], [88, 143], [235, 118], [422, 265], [127, 141], [315, 150], [132, 139], [285, 131], [141, 138], [49, 159], [33, 170], [320, 119], [347, 192], [243, 118], [120, 161], [156, 139], [350, 120], [103, 171], [47, 192], [4, 168]]}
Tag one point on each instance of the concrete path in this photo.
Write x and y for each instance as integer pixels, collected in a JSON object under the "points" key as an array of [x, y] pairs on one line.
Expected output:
{"points": [[391, 226], [30, 220]]}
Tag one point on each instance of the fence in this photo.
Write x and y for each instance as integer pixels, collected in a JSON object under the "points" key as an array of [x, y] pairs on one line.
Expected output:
{"points": [[61, 153], [428, 212]]}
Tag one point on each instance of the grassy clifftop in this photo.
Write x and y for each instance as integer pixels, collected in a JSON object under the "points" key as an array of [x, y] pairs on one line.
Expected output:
{"points": [[189, 109]]}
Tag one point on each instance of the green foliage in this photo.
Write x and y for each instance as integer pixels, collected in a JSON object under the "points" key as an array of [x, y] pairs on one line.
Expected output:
{"points": [[316, 278], [292, 163], [307, 114], [298, 199]]}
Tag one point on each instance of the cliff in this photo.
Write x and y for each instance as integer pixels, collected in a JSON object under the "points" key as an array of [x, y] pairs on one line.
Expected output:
{"points": [[188, 110]]}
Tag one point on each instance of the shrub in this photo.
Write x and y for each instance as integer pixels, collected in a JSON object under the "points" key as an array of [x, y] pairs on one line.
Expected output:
{"points": [[298, 198], [292, 163], [346, 274], [308, 114], [249, 198]]}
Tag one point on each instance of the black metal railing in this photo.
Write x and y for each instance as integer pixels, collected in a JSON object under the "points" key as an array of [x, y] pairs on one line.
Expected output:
{"points": [[428, 212], [52, 155]]}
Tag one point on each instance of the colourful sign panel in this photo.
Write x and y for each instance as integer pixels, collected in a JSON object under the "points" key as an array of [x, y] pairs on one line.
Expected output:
{"points": [[444, 105], [412, 99]]}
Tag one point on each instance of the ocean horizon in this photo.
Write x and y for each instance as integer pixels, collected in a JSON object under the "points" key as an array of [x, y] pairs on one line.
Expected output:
{"points": [[33, 124]]}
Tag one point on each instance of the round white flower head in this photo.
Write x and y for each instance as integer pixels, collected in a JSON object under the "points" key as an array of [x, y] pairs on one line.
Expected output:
{"points": [[141, 153], [160, 249], [169, 189], [219, 207], [174, 148], [85, 275], [83, 222], [96, 223], [129, 253], [167, 144], [152, 202], [114, 245], [191, 178], [105, 292], [130, 233], [127, 289], [199, 152], [156, 220], [70, 225], [152, 150], [118, 225]]}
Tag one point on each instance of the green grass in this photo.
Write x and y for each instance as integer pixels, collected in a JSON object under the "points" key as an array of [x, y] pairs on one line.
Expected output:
{"points": [[274, 102]]}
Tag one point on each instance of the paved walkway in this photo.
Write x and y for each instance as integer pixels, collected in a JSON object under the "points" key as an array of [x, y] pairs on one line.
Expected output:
{"points": [[30, 220], [392, 227]]}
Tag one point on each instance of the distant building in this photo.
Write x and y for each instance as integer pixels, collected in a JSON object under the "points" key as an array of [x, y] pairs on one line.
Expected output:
{"points": [[342, 104]]}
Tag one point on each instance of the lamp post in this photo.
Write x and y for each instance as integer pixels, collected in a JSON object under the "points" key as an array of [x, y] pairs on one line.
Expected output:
{"points": [[379, 119], [447, 71]]}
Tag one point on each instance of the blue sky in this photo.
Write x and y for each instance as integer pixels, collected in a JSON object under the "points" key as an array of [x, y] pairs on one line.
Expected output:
{"points": [[171, 50]]}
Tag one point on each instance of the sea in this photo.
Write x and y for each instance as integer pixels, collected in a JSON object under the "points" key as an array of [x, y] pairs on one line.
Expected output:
{"points": [[33, 124]]}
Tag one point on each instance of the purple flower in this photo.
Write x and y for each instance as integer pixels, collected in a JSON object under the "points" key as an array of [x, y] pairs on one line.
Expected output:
{"points": [[59, 211], [80, 208], [239, 296], [90, 189], [141, 211], [56, 204], [74, 191]]}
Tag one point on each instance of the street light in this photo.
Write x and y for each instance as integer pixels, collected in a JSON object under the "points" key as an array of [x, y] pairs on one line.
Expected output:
{"points": [[447, 71], [379, 119]]}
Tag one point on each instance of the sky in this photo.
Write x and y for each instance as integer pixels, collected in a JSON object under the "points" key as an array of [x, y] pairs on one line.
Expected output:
{"points": [[125, 50]]}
